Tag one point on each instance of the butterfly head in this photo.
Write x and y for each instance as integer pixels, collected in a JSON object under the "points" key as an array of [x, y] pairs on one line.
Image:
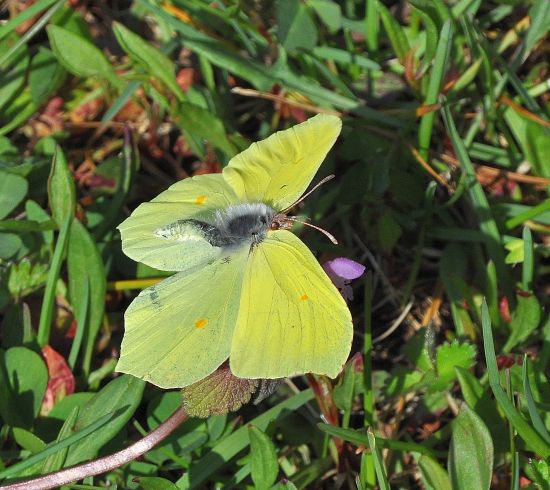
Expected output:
{"points": [[281, 222]]}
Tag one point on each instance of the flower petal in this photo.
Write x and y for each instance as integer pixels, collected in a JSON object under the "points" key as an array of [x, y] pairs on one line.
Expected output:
{"points": [[345, 268]]}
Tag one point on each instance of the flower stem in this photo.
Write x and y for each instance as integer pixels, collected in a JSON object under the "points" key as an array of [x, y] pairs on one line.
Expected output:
{"points": [[107, 463]]}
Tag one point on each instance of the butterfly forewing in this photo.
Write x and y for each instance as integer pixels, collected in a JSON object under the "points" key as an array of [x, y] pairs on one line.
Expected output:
{"points": [[278, 169], [152, 235]]}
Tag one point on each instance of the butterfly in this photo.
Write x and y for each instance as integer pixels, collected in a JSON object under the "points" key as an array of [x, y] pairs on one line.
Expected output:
{"points": [[246, 288]]}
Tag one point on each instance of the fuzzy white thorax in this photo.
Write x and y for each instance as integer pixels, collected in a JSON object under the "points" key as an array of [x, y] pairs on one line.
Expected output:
{"points": [[242, 223], [236, 211]]}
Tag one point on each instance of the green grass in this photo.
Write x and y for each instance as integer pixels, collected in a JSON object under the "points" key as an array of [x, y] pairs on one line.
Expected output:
{"points": [[98, 117]]}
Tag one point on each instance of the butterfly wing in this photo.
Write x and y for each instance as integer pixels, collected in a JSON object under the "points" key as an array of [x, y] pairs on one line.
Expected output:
{"points": [[278, 169], [154, 233], [179, 331], [292, 320]]}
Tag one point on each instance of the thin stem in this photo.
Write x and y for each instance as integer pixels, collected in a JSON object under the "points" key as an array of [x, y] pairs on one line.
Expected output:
{"points": [[368, 396], [368, 475], [107, 463]]}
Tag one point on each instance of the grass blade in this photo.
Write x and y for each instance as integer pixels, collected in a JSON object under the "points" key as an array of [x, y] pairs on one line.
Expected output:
{"points": [[46, 311], [345, 57], [434, 87], [530, 213], [395, 33], [24, 16], [80, 324], [527, 270], [525, 431], [129, 166], [480, 203], [35, 29], [537, 422], [432, 34], [378, 463], [515, 472], [120, 101], [361, 439], [372, 25]]}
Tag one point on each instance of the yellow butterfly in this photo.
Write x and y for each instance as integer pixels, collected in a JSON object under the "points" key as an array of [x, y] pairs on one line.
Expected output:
{"points": [[247, 288]]}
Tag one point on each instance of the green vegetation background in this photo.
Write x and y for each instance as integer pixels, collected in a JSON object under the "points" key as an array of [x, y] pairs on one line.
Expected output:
{"points": [[442, 185]]}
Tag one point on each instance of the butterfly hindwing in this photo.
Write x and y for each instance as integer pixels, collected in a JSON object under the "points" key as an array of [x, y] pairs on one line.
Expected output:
{"points": [[179, 331], [292, 320], [278, 169]]}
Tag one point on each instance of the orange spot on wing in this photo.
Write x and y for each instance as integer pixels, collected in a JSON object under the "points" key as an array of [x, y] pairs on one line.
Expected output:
{"points": [[304, 297], [200, 200], [201, 323]]}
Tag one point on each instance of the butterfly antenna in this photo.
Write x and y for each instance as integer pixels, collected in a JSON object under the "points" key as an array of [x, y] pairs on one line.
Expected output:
{"points": [[319, 184], [318, 228]]}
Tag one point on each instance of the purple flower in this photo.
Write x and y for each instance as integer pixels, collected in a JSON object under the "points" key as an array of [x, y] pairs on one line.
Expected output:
{"points": [[341, 271]]}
